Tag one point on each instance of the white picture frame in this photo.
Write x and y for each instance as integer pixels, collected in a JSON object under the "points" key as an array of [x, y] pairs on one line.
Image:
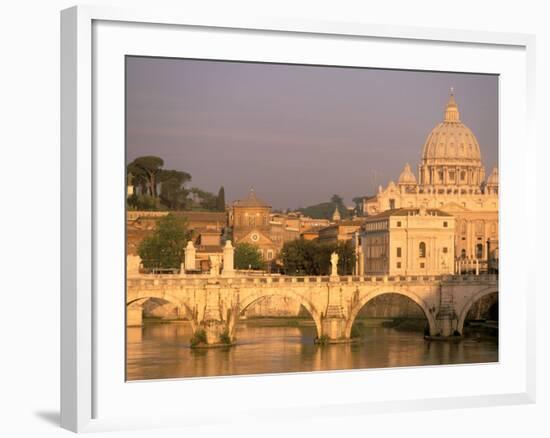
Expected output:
{"points": [[82, 379]]}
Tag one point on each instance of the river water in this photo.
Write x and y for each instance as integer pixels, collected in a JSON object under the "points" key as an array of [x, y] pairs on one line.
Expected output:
{"points": [[161, 350]]}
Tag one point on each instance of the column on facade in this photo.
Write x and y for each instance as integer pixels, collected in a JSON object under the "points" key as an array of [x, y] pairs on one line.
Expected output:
{"points": [[468, 238], [433, 257], [410, 255], [473, 239], [361, 261]]}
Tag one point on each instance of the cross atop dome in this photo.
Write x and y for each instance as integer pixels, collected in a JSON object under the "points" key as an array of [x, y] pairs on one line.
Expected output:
{"points": [[451, 111]]}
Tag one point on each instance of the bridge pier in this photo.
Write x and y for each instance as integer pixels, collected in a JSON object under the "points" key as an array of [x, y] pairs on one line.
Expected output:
{"points": [[445, 327], [134, 316], [212, 334], [333, 330], [446, 318], [333, 322]]}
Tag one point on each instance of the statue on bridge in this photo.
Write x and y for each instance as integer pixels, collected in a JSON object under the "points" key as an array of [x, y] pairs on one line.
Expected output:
{"points": [[214, 265], [334, 264]]}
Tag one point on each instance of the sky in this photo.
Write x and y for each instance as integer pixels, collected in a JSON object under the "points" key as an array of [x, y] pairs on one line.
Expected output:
{"points": [[297, 134]]}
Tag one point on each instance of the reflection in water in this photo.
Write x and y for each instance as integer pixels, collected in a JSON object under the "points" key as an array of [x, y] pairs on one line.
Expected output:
{"points": [[161, 350]]}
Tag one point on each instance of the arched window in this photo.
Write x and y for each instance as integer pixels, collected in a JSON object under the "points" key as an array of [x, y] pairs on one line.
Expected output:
{"points": [[479, 250], [463, 254], [269, 254], [422, 249]]}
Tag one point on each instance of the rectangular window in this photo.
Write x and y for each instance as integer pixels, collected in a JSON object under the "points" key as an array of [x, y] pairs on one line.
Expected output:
{"points": [[445, 250], [422, 265], [392, 204], [398, 265], [398, 223], [445, 224], [399, 252]]}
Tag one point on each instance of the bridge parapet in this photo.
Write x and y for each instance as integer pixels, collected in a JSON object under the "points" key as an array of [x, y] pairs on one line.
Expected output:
{"points": [[150, 280]]}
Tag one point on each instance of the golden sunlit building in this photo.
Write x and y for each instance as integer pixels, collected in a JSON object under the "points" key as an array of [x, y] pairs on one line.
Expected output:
{"points": [[451, 179], [409, 242]]}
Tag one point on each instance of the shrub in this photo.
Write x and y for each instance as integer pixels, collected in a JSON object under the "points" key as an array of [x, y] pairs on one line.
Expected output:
{"points": [[198, 338], [225, 338], [323, 339]]}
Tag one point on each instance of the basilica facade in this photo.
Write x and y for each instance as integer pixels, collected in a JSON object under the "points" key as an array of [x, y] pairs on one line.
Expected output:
{"points": [[451, 179]]}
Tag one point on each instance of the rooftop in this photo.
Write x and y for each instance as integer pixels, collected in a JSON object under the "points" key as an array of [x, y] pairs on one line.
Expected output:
{"points": [[407, 212], [251, 201]]}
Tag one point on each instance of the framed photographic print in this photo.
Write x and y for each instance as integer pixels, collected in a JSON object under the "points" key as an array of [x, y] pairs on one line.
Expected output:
{"points": [[259, 205]]}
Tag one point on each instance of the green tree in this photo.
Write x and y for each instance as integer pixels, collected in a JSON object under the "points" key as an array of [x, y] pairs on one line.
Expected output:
{"points": [[358, 201], [145, 170], [337, 200], [141, 202], [324, 210], [173, 193], [220, 201], [165, 248], [248, 256], [299, 257], [346, 257], [309, 257], [203, 200]]}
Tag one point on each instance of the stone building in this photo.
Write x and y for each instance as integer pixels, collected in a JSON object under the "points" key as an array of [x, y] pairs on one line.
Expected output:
{"points": [[208, 228], [339, 232], [306, 223], [409, 241], [250, 219], [253, 222], [451, 179]]}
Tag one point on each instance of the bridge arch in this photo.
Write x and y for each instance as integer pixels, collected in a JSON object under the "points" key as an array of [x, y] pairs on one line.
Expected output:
{"points": [[249, 299], [363, 300], [468, 305], [140, 297]]}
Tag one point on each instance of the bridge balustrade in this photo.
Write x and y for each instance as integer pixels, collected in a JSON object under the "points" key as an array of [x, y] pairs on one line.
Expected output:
{"points": [[146, 281]]}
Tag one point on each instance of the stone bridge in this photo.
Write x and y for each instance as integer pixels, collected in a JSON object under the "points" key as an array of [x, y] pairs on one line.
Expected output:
{"points": [[214, 304]]}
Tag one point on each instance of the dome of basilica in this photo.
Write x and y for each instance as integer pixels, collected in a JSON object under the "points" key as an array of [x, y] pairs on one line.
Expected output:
{"points": [[451, 142], [407, 177], [493, 178]]}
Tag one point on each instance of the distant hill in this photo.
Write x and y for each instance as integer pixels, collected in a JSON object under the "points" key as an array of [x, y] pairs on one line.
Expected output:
{"points": [[324, 210]]}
